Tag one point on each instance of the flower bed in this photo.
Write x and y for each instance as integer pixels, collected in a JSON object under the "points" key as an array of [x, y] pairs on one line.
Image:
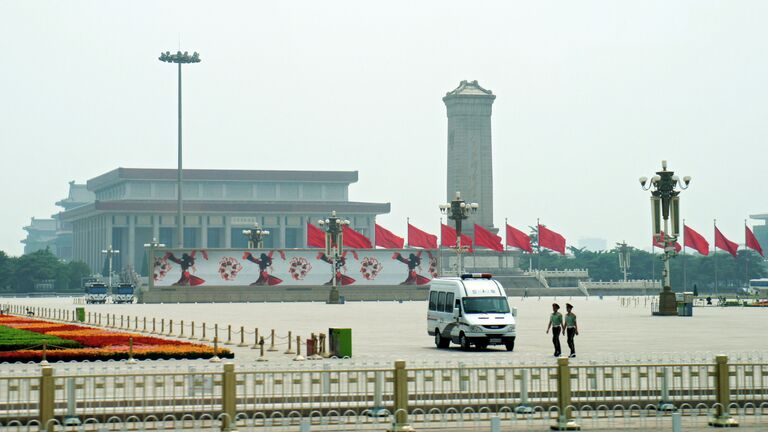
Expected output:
{"points": [[12, 339], [96, 343]]}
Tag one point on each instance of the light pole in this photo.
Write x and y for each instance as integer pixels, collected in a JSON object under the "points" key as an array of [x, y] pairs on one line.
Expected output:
{"points": [[334, 245], [179, 59], [665, 205], [255, 236], [623, 250], [457, 211], [110, 252]]}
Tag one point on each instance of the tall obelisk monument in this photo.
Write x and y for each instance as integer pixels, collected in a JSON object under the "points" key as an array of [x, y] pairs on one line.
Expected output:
{"points": [[470, 159]]}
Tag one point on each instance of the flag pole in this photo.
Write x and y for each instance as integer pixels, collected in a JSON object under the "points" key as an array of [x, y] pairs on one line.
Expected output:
{"points": [[408, 237], [506, 240], [685, 273], [715, 256], [746, 256], [538, 246]]}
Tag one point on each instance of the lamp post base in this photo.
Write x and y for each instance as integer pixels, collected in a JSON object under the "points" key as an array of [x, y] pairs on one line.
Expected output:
{"points": [[334, 297], [667, 303]]}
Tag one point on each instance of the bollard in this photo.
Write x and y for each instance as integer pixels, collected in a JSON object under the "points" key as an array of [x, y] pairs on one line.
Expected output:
{"points": [[378, 401], [298, 350], [215, 358], [153, 326], [664, 403], [272, 343], [70, 419], [723, 394], [192, 331], [215, 332], [524, 408], [170, 327], [564, 421], [44, 361], [242, 338], [400, 409], [162, 326], [131, 360], [203, 338], [144, 330], [289, 350], [261, 351], [229, 335], [228, 398], [255, 338], [136, 323], [677, 422], [47, 399], [121, 321], [181, 335]]}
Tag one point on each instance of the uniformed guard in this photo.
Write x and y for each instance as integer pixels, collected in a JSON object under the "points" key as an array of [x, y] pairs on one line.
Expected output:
{"points": [[571, 328], [556, 324]]}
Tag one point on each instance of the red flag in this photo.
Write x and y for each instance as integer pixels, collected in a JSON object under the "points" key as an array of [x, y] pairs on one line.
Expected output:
{"points": [[448, 238], [518, 239], [419, 238], [695, 240], [725, 244], [315, 237], [751, 241], [487, 239], [551, 240], [386, 239], [659, 243], [353, 239]]}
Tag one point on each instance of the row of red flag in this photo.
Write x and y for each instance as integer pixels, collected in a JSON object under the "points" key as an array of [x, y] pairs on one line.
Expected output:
{"points": [[418, 238], [696, 241]]}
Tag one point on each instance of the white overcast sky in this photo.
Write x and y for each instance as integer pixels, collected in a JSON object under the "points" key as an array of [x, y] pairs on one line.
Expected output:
{"points": [[590, 96]]}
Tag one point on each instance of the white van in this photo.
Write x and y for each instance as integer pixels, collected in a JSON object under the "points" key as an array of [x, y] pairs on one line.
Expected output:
{"points": [[470, 310]]}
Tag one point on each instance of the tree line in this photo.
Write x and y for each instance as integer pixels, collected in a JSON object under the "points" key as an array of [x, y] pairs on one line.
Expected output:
{"points": [[24, 273]]}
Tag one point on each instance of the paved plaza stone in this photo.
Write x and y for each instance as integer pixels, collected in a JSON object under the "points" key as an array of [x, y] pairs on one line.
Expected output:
{"points": [[383, 331]]}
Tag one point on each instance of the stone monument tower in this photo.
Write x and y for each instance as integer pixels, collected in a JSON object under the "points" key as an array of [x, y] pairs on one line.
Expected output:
{"points": [[470, 167]]}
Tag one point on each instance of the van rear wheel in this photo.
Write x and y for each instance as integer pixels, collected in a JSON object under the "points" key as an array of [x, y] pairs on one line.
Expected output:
{"points": [[440, 341]]}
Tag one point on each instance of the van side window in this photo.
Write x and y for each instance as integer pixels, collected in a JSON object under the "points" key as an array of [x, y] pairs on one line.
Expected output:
{"points": [[441, 302], [449, 303], [433, 300]]}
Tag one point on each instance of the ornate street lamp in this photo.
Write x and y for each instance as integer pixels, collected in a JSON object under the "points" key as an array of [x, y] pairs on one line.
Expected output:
{"points": [[665, 205], [179, 58], [334, 245], [623, 249], [255, 236], [457, 211], [110, 252]]}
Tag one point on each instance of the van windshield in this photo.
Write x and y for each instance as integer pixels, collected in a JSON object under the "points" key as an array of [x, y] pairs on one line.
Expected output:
{"points": [[478, 305]]}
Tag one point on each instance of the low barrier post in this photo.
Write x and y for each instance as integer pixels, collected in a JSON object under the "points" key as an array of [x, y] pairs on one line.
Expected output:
{"points": [[255, 338], [144, 330], [228, 398], [131, 360], [203, 338], [289, 350], [192, 330], [154, 328], [242, 337], [229, 335], [400, 408], [298, 350], [564, 421], [162, 325], [135, 323], [215, 358], [122, 324], [723, 394], [272, 343], [181, 325], [170, 327], [47, 394]]}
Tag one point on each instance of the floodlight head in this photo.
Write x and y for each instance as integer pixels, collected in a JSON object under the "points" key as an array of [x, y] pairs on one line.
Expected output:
{"points": [[687, 180], [655, 179], [643, 181]]}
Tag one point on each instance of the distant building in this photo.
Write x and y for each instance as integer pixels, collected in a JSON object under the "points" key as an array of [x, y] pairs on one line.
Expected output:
{"points": [[41, 234], [470, 151], [593, 244], [761, 231], [54, 233], [133, 206]]}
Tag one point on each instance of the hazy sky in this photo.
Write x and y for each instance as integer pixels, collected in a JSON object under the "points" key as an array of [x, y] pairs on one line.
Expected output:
{"points": [[590, 96]]}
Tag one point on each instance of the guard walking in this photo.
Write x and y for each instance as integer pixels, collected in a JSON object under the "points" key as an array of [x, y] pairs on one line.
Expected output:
{"points": [[571, 328], [556, 324]]}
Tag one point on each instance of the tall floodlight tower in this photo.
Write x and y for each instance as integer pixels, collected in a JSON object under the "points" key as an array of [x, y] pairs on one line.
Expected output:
{"points": [[470, 159]]}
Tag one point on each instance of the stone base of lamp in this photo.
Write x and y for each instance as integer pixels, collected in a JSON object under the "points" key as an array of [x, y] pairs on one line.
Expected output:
{"points": [[667, 303]]}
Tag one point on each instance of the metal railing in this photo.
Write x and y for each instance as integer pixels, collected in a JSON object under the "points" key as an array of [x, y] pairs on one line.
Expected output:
{"points": [[261, 397]]}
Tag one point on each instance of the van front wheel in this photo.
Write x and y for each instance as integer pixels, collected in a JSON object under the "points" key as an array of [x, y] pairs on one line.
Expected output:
{"points": [[464, 342], [510, 345], [440, 341]]}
